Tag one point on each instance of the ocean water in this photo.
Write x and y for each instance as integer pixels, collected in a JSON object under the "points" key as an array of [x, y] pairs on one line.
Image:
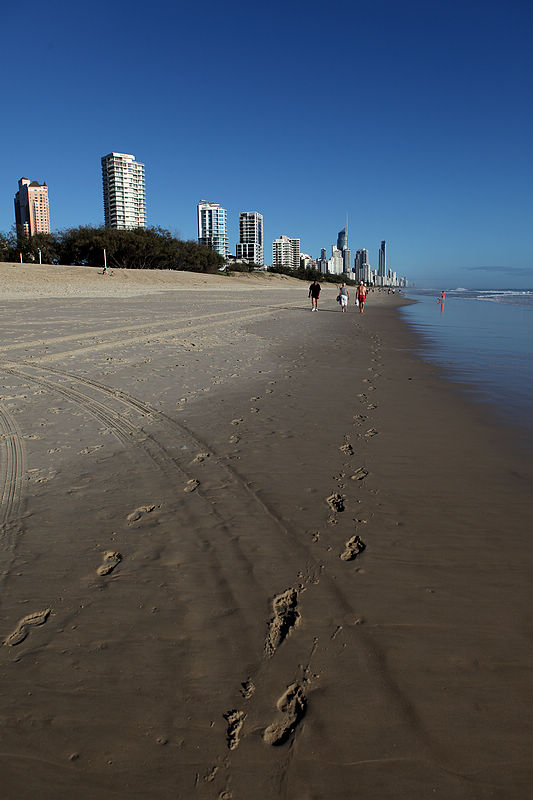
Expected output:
{"points": [[483, 338]]}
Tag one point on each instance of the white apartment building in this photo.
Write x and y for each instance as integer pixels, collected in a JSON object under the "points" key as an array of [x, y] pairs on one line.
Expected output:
{"points": [[124, 192], [286, 252], [212, 227], [307, 261], [336, 262], [250, 246]]}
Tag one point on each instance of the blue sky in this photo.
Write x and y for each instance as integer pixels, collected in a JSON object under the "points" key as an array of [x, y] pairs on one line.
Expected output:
{"points": [[414, 118]]}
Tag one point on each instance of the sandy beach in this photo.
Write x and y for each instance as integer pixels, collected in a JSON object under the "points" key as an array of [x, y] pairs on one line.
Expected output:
{"points": [[250, 551]]}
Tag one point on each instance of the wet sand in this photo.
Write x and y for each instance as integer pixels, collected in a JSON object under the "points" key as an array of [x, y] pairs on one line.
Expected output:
{"points": [[252, 551]]}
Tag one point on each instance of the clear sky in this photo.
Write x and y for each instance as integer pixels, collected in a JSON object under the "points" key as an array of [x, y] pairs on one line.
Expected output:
{"points": [[414, 118]]}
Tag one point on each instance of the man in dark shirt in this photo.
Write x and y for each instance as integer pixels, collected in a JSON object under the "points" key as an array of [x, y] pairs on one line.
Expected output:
{"points": [[314, 294]]}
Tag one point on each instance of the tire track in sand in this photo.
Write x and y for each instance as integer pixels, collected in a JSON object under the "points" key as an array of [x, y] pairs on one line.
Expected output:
{"points": [[104, 342], [12, 467]]}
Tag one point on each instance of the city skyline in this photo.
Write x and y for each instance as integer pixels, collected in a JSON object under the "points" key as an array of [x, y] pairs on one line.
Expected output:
{"points": [[433, 153], [123, 181]]}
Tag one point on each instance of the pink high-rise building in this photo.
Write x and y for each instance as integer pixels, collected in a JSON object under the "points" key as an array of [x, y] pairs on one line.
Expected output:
{"points": [[32, 214]]}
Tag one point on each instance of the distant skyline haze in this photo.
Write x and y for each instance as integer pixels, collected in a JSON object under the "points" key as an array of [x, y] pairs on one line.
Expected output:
{"points": [[413, 118]]}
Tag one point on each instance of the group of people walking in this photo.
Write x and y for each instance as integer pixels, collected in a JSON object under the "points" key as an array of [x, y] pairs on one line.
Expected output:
{"points": [[342, 297]]}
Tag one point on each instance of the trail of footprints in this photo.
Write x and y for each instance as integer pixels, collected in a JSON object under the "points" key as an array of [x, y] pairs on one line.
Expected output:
{"points": [[292, 704]]}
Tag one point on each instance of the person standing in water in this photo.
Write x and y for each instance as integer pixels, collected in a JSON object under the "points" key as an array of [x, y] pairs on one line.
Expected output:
{"points": [[314, 294]]}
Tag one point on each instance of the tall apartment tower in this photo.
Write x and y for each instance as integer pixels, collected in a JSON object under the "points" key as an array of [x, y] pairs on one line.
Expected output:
{"points": [[32, 213], [251, 245], [382, 266], [124, 192], [212, 227], [286, 252]]}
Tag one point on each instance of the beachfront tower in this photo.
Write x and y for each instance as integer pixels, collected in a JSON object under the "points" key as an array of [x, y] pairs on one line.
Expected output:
{"points": [[124, 192], [286, 252], [32, 213], [250, 245], [212, 227], [382, 263], [342, 240]]}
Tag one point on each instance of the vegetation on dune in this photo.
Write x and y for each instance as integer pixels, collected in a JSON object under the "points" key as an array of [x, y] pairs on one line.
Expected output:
{"points": [[142, 248]]}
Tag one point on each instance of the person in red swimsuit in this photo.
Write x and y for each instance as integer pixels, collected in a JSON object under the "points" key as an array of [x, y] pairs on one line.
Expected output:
{"points": [[361, 296]]}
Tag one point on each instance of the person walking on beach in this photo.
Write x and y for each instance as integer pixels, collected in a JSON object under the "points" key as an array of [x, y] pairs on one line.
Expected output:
{"points": [[344, 296], [314, 294], [361, 296]]}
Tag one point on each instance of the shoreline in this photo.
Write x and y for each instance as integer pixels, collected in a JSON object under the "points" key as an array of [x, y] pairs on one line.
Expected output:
{"points": [[322, 546]]}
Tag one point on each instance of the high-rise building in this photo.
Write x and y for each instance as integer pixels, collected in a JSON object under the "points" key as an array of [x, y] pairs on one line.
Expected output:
{"points": [[342, 240], [346, 260], [382, 264], [286, 252], [362, 267], [322, 262], [212, 227], [335, 263], [124, 192], [251, 245], [32, 213]]}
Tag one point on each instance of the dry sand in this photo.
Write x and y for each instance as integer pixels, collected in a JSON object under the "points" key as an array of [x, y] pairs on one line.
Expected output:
{"points": [[249, 551]]}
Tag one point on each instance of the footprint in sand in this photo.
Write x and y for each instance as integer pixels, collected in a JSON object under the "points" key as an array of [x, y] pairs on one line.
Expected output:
{"points": [[247, 689], [370, 433], [90, 449], [24, 625], [335, 502], [139, 512], [359, 474], [111, 559], [286, 617], [347, 449], [191, 485], [292, 704], [235, 720], [354, 546], [234, 439], [237, 421], [200, 457]]}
